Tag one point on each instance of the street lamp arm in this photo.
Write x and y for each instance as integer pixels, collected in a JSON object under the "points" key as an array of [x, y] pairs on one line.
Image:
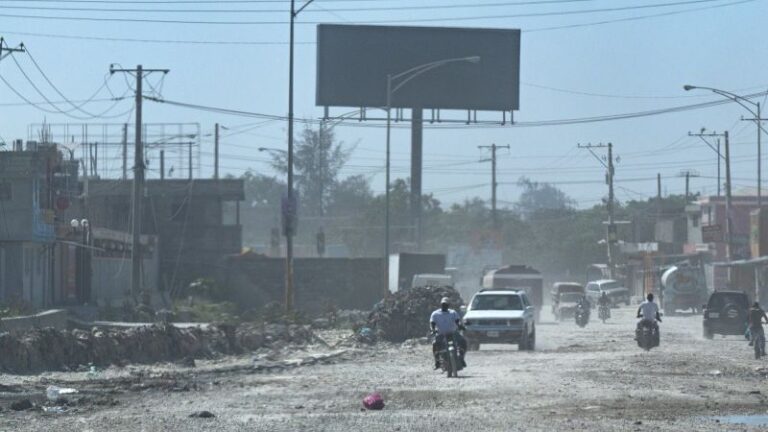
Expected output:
{"points": [[418, 70], [728, 95], [295, 13]]}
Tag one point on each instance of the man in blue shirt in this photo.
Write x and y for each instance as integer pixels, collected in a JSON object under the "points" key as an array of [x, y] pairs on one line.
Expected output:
{"points": [[446, 322]]}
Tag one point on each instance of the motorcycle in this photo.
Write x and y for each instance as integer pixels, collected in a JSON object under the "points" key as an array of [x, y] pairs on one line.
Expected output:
{"points": [[581, 316], [604, 312], [647, 335], [448, 355]]}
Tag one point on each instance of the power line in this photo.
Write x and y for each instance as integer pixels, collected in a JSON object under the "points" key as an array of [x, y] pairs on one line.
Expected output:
{"points": [[408, 20], [322, 10], [557, 122]]}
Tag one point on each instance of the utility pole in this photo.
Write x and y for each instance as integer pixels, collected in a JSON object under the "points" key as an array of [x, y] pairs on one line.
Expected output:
{"points": [[5, 50], [611, 237], [728, 227], [759, 122], [138, 179], [216, 152], [688, 174], [125, 151], [494, 183], [715, 147], [658, 196]]}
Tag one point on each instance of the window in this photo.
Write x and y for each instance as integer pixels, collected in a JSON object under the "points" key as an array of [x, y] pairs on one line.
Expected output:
{"points": [[526, 303], [695, 221], [592, 287], [497, 302]]}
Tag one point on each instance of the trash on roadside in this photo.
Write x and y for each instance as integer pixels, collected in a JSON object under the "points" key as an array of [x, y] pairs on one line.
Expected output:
{"points": [[55, 409], [373, 401], [53, 393]]}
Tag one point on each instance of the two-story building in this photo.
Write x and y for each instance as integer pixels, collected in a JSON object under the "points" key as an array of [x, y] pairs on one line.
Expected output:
{"points": [[27, 224]]}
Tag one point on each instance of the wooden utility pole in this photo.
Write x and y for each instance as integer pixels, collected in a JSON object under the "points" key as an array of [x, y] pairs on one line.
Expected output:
{"points": [[688, 174], [494, 183], [138, 179], [728, 227]]}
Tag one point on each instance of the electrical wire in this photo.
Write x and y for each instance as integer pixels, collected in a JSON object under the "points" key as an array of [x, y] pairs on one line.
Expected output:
{"points": [[386, 21]]}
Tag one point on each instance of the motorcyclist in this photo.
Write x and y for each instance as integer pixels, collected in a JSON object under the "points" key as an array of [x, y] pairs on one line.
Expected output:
{"points": [[604, 300], [446, 322], [583, 303], [648, 312], [756, 316]]}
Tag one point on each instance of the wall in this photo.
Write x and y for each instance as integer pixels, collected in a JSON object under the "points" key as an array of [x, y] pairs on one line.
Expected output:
{"points": [[57, 319], [345, 283]]}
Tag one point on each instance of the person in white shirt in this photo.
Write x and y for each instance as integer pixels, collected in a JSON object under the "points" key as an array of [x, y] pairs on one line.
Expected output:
{"points": [[445, 322], [648, 312]]}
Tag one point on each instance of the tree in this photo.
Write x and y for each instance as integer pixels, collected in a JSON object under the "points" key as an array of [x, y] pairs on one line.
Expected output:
{"points": [[318, 159], [541, 196]]}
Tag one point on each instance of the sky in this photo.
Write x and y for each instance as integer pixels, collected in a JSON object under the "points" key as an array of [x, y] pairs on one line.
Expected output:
{"points": [[579, 58]]}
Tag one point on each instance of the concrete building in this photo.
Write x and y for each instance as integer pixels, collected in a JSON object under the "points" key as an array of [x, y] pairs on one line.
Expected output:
{"points": [[186, 216], [27, 225]]}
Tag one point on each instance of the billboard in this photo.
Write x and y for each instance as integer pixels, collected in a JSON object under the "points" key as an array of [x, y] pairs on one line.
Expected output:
{"points": [[353, 62]]}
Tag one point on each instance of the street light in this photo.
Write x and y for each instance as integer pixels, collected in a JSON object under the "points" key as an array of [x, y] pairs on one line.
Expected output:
{"points": [[741, 100], [399, 80]]}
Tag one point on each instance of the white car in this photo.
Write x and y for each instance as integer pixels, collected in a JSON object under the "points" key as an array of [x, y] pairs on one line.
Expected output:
{"points": [[500, 316]]}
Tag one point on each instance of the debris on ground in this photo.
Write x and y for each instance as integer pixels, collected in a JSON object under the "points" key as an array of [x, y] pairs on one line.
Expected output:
{"points": [[202, 414], [54, 393], [22, 405], [48, 349], [405, 314], [373, 401]]}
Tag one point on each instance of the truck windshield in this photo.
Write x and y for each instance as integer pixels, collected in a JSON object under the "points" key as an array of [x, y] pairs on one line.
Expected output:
{"points": [[610, 285], [570, 297], [497, 302]]}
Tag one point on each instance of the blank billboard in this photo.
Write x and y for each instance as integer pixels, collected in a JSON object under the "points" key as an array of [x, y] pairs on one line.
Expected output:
{"points": [[353, 62]]}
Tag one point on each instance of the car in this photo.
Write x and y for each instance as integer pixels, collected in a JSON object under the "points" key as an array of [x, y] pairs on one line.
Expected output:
{"points": [[613, 289], [500, 316], [726, 313]]}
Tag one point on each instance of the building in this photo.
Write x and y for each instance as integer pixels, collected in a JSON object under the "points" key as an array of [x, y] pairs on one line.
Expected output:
{"points": [[27, 236], [193, 231]]}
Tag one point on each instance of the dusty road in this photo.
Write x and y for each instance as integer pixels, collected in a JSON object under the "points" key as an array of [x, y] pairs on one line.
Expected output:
{"points": [[578, 379]]}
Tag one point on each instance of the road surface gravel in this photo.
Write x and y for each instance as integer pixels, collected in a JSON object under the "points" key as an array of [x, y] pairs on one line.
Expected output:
{"points": [[593, 378]]}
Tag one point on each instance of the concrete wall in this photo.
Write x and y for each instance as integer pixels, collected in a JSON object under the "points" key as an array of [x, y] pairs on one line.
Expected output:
{"points": [[57, 319], [345, 283], [25, 273]]}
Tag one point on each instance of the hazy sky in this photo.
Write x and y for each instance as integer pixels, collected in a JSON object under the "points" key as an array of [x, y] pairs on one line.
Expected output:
{"points": [[592, 70]]}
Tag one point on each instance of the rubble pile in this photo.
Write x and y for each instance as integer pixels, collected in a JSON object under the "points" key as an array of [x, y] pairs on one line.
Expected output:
{"points": [[49, 349], [405, 314]]}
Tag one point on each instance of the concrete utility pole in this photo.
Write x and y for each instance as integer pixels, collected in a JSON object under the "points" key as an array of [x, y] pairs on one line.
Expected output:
{"points": [[611, 234], [5, 50], [494, 183], [688, 174], [728, 227], [138, 178], [216, 152], [715, 147], [125, 151], [658, 196]]}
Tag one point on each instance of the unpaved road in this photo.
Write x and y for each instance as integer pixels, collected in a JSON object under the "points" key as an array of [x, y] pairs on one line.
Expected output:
{"points": [[578, 379]]}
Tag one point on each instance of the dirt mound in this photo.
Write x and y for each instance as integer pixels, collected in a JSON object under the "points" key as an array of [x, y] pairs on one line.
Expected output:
{"points": [[405, 314], [50, 349]]}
